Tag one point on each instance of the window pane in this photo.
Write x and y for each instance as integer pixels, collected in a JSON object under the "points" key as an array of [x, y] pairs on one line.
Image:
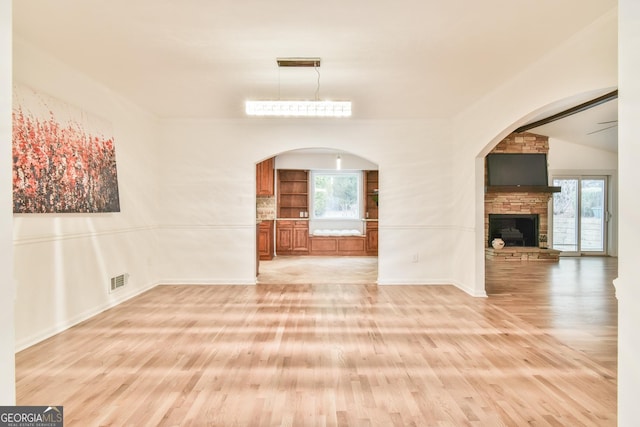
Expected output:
{"points": [[336, 195], [592, 218], [565, 215]]}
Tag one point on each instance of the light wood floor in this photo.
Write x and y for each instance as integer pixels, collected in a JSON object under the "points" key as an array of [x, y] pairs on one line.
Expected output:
{"points": [[342, 354], [315, 270], [573, 300]]}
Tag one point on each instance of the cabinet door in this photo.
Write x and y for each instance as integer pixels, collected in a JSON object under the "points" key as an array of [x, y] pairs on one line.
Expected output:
{"points": [[264, 178], [284, 239], [372, 238], [301, 239], [265, 241]]}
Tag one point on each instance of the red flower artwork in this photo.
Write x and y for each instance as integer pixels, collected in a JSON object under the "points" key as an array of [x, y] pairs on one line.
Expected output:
{"points": [[59, 167]]}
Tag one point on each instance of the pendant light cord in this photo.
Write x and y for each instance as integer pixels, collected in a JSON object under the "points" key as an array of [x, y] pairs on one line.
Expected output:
{"points": [[318, 85]]}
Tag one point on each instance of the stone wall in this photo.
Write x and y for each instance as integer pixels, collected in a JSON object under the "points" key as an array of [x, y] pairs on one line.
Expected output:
{"points": [[523, 143], [515, 253], [520, 202]]}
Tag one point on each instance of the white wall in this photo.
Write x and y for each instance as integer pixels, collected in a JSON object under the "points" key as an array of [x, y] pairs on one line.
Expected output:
{"points": [[301, 159], [585, 63], [627, 288], [63, 262], [566, 155], [7, 363], [208, 211]]}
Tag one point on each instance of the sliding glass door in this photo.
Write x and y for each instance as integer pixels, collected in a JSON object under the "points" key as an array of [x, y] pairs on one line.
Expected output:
{"points": [[580, 215]]}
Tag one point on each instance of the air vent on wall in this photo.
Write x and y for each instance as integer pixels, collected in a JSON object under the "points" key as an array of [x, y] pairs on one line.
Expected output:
{"points": [[118, 282]]}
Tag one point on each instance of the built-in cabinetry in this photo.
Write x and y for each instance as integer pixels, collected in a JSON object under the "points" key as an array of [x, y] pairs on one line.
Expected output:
{"points": [[292, 237], [372, 237], [293, 193], [264, 177], [292, 225], [265, 240], [371, 209], [264, 198], [371, 191]]}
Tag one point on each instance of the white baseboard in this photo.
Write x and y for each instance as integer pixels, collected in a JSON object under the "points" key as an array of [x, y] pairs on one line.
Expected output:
{"points": [[472, 292], [444, 282]]}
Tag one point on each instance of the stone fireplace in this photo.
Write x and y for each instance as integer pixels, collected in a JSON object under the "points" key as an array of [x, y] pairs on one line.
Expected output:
{"points": [[519, 204], [519, 214]]}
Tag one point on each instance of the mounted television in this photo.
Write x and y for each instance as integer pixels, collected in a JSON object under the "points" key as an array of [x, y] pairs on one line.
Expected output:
{"points": [[517, 169]]}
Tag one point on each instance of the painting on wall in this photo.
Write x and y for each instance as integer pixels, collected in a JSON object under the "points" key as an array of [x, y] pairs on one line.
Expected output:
{"points": [[63, 157]]}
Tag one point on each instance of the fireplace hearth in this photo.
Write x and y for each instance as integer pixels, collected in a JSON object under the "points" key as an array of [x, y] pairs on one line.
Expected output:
{"points": [[514, 229]]}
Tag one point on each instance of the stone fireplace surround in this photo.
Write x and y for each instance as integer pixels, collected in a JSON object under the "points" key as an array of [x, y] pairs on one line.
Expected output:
{"points": [[527, 202], [518, 203]]}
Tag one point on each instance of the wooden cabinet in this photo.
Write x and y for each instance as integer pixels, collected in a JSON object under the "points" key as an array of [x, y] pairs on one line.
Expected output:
{"points": [[293, 193], [264, 177], [301, 237], [265, 240], [372, 237], [371, 191], [292, 237], [284, 238]]}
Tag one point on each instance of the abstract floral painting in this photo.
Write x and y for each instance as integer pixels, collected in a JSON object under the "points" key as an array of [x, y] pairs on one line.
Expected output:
{"points": [[63, 157]]}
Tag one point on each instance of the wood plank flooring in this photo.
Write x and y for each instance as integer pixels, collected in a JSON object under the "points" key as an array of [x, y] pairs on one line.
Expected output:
{"points": [[304, 270], [336, 355], [573, 300]]}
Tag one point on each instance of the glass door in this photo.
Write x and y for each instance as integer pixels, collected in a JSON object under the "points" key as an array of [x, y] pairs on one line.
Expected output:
{"points": [[593, 215], [565, 216], [580, 215]]}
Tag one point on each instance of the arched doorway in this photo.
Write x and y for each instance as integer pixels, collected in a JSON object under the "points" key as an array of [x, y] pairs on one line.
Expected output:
{"points": [[317, 218], [577, 122], [573, 299]]}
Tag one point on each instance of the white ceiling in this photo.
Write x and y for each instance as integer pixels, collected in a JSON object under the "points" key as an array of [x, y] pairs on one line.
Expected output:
{"points": [[596, 127], [204, 58]]}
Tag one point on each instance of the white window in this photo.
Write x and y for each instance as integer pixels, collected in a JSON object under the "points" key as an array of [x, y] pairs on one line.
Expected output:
{"points": [[336, 195]]}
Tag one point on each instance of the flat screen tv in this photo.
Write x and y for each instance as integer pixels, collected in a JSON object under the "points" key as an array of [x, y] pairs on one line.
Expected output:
{"points": [[517, 169]]}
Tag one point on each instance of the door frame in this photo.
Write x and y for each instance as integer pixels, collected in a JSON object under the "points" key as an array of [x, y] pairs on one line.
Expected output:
{"points": [[609, 214]]}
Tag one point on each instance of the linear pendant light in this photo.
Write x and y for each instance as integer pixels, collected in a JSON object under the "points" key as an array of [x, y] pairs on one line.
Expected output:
{"points": [[299, 108]]}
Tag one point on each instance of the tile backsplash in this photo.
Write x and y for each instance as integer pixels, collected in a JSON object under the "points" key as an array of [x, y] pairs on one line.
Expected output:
{"points": [[265, 208]]}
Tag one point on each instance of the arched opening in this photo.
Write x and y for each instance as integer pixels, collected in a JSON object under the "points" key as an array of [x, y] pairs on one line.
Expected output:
{"points": [[317, 218], [573, 295]]}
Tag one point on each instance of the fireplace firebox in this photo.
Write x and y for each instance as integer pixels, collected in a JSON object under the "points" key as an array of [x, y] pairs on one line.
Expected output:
{"points": [[514, 229]]}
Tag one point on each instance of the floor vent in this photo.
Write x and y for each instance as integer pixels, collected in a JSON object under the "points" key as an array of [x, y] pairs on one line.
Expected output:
{"points": [[118, 282]]}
